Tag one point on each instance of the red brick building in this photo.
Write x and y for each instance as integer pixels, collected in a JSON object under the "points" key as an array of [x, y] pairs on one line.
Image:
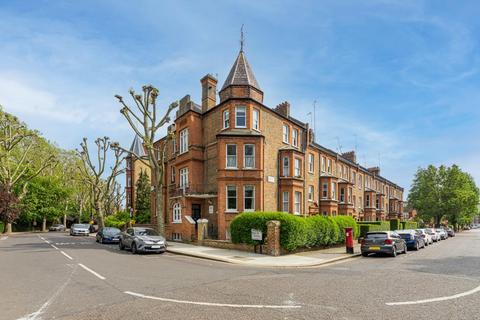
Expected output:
{"points": [[235, 154]]}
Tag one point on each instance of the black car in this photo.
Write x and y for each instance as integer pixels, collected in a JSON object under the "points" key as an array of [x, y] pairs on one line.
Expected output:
{"points": [[108, 235]]}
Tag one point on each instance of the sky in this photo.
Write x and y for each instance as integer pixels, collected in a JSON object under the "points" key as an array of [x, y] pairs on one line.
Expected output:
{"points": [[397, 81]]}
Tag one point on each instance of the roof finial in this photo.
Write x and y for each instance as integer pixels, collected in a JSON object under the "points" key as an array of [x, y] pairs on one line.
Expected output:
{"points": [[242, 39]]}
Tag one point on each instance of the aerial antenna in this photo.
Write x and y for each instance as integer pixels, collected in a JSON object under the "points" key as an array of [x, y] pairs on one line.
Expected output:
{"points": [[242, 39], [339, 146]]}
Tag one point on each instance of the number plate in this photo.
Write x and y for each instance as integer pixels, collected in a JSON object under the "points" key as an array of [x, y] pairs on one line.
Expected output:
{"points": [[374, 248], [155, 247]]}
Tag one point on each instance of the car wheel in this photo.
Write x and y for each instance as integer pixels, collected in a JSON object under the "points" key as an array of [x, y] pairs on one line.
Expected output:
{"points": [[394, 252], [417, 247], [101, 240], [364, 254], [120, 245], [134, 248]]}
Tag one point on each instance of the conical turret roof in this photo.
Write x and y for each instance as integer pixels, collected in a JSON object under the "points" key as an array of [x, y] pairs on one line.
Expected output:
{"points": [[137, 147], [241, 74]]}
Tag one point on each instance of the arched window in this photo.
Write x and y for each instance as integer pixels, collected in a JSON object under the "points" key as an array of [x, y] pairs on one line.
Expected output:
{"points": [[177, 213]]}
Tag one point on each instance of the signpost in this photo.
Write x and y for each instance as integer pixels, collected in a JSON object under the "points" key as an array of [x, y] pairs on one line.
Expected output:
{"points": [[257, 235]]}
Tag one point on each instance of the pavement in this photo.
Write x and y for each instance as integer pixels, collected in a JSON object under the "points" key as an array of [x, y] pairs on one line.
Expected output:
{"points": [[56, 276], [303, 259]]}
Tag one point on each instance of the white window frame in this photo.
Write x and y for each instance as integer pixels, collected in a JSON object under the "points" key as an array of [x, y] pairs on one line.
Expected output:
{"points": [[286, 168], [227, 197], [256, 119], [251, 156], [227, 156], [129, 181], [297, 171], [325, 190], [177, 213], [184, 141], [297, 201], [286, 134], [237, 111], [367, 201], [350, 194], [183, 172], [342, 195], [285, 201], [334, 190], [174, 146], [295, 138], [311, 163], [324, 165], [311, 191], [172, 174], [226, 118], [329, 166], [245, 198]]}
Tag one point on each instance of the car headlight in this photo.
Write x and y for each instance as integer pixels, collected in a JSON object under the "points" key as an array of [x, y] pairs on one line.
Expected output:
{"points": [[148, 242]]}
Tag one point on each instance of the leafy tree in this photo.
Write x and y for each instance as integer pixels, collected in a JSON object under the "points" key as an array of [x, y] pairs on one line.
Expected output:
{"points": [[444, 193], [142, 198], [9, 207]]}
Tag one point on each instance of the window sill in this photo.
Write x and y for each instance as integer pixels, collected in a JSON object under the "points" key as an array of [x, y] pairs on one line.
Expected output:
{"points": [[249, 168], [231, 211], [177, 222], [258, 130], [231, 168], [249, 210]]}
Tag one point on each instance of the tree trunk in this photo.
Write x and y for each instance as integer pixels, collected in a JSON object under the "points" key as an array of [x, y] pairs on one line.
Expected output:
{"points": [[44, 224], [65, 219], [8, 228], [98, 210]]}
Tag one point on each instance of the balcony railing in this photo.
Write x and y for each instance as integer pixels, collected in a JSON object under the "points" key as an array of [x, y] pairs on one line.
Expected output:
{"points": [[191, 190]]}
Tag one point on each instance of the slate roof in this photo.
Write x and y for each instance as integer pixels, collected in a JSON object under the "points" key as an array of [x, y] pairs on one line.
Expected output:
{"points": [[241, 74], [137, 147]]}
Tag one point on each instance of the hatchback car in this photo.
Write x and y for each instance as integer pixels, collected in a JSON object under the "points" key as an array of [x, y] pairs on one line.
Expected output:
{"points": [[450, 232], [57, 227], [412, 238], [108, 235], [142, 240], [441, 233], [427, 237], [433, 234], [388, 242], [81, 229]]}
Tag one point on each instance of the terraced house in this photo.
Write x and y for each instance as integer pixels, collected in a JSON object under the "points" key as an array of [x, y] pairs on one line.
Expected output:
{"points": [[236, 154]]}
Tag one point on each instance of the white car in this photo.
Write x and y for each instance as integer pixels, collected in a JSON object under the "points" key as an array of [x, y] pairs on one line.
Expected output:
{"points": [[441, 233], [80, 229], [435, 236], [426, 236]]}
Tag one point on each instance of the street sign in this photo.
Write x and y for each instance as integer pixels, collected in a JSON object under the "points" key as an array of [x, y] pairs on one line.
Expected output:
{"points": [[257, 234]]}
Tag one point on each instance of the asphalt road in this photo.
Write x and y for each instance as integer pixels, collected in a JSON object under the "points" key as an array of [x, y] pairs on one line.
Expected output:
{"points": [[76, 278]]}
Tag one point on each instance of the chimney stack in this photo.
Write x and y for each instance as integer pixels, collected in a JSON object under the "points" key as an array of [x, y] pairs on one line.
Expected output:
{"points": [[375, 170], [284, 109], [209, 92], [351, 156]]}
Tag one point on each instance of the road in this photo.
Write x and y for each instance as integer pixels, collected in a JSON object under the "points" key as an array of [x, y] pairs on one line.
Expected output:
{"points": [[55, 276]]}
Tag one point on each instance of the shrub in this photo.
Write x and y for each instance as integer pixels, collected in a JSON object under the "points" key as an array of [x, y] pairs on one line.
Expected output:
{"points": [[395, 224], [344, 222], [379, 226], [322, 231], [409, 225], [118, 220]]}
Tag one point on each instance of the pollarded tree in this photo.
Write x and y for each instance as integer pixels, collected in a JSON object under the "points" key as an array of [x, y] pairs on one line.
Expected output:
{"points": [[23, 156], [146, 122], [94, 169]]}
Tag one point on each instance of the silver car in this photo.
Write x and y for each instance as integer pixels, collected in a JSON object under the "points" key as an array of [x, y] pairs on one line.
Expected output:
{"points": [[57, 227], [142, 240], [81, 229]]}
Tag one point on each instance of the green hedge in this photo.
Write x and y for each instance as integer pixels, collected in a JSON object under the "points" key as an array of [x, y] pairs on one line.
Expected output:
{"points": [[395, 224], [295, 231], [409, 225], [377, 226]]}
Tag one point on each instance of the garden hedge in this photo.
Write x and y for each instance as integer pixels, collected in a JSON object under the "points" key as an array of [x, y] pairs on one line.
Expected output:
{"points": [[369, 226], [395, 224], [295, 231], [409, 225]]}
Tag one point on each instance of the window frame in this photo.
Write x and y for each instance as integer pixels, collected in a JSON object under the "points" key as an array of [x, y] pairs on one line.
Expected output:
{"points": [[286, 133], [227, 156], [245, 198], [245, 155], [226, 118], [286, 201], [256, 119], [183, 173], [295, 136], [237, 108], [287, 173], [325, 190], [297, 203], [177, 213], [297, 170], [227, 209], [311, 163], [183, 141], [311, 192]]}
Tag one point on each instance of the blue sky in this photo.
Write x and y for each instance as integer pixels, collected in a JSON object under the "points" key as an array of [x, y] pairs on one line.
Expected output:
{"points": [[398, 79]]}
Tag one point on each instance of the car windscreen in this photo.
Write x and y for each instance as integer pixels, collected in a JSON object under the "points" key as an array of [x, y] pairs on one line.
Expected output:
{"points": [[405, 235], [146, 232], [81, 226], [376, 236], [111, 231]]}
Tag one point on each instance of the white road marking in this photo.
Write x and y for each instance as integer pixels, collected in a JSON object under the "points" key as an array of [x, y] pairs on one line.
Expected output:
{"points": [[53, 246], [4, 238], [66, 255], [212, 304], [92, 272], [455, 296]]}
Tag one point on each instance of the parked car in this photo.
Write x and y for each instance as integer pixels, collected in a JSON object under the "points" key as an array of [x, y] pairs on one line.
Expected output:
{"points": [[426, 236], [142, 240], [450, 232], [108, 235], [93, 228], [80, 229], [412, 238], [433, 234], [388, 242], [441, 233], [57, 227]]}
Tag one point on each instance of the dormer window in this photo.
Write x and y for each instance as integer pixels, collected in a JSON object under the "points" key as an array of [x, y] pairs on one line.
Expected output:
{"points": [[226, 119], [241, 117]]}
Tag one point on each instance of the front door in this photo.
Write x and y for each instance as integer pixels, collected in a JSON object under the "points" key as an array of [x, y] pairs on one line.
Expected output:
{"points": [[196, 211]]}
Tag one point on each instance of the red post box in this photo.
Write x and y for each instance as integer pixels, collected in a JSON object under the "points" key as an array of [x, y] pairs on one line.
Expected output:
{"points": [[349, 239]]}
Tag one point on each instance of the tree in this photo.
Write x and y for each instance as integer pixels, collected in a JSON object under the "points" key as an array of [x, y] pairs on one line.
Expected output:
{"points": [[146, 118], [142, 198], [9, 207], [94, 169], [23, 156], [439, 193]]}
